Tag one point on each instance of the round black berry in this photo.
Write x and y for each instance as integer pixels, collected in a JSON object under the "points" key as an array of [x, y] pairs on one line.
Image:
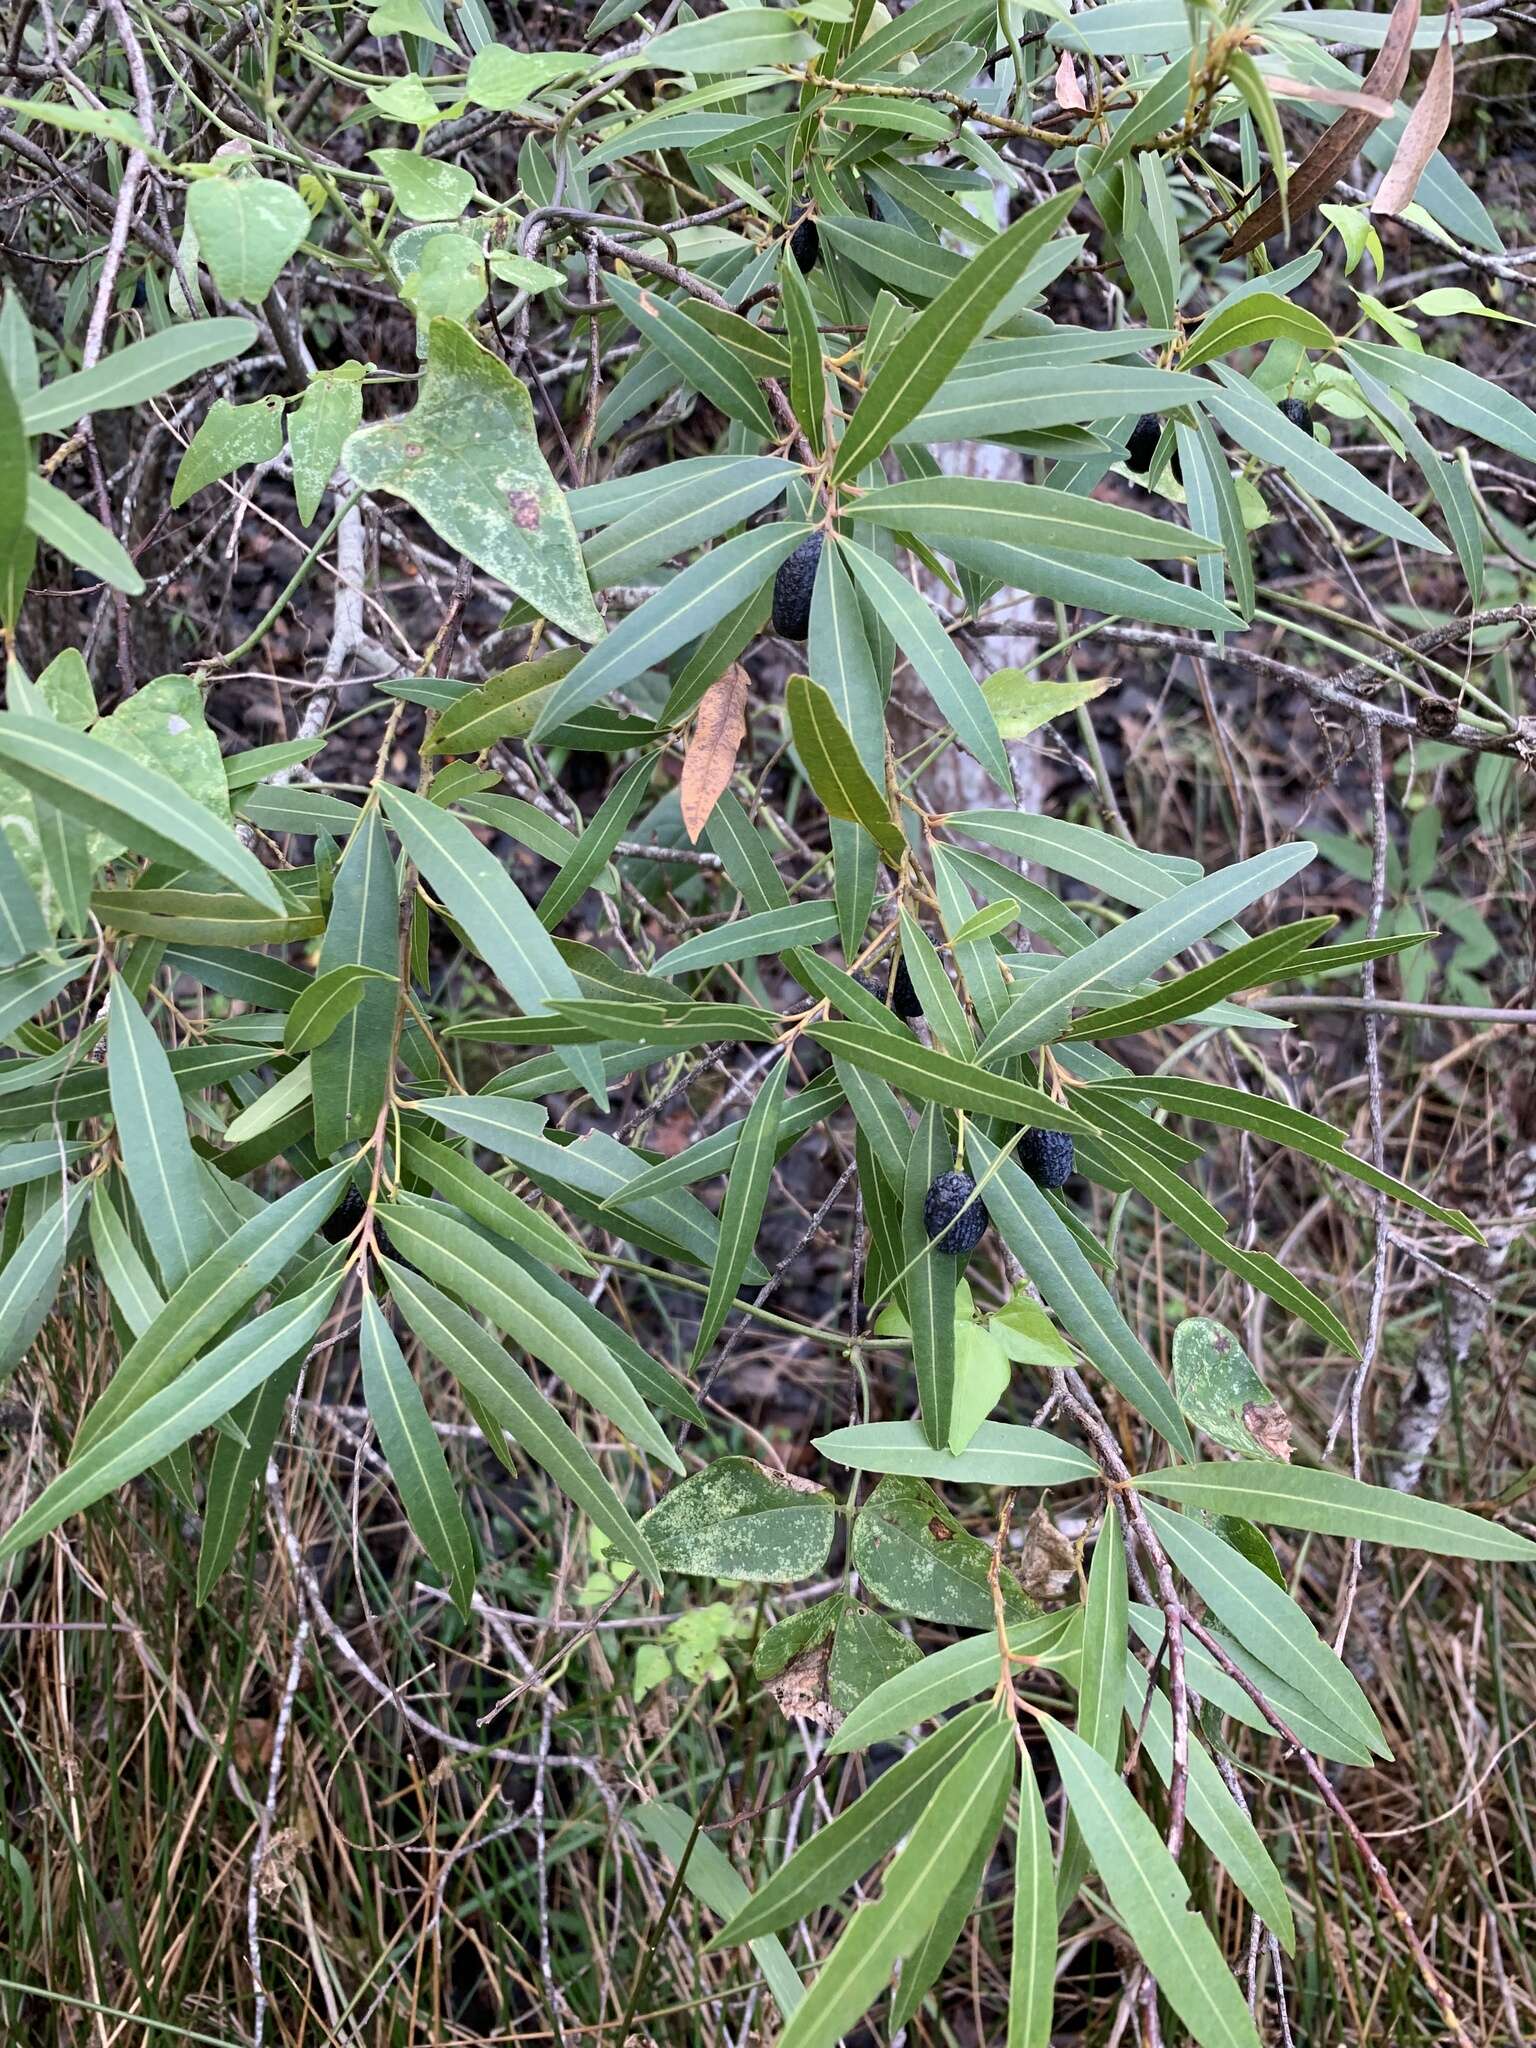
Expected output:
{"points": [[805, 243], [952, 1226], [1142, 445], [894, 990], [1047, 1157], [1298, 413], [792, 589], [346, 1215]]}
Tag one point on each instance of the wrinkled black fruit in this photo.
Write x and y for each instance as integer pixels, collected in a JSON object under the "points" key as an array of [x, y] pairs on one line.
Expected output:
{"points": [[805, 244], [1298, 413], [895, 991], [792, 589], [346, 1215], [1047, 1157], [1142, 446], [951, 1226]]}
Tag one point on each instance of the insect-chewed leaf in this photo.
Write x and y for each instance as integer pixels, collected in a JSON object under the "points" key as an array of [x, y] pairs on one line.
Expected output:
{"points": [[914, 1556], [1216, 1386], [738, 1519]]}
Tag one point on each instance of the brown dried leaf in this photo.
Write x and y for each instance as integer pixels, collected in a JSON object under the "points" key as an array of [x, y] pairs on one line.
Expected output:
{"points": [[1048, 1562], [1422, 133], [711, 757], [1270, 1428], [1324, 163], [1327, 95], [800, 1690], [1068, 92]]}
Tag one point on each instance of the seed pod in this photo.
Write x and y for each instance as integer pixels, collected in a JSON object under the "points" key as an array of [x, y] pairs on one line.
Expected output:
{"points": [[952, 1227], [895, 991], [805, 243], [792, 589], [1047, 1157], [1142, 445], [1298, 413]]}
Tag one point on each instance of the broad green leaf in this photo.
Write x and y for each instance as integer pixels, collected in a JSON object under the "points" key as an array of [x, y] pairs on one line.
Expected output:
{"points": [[229, 437], [740, 40], [1260, 316], [318, 427], [141, 371], [910, 621], [481, 896], [507, 1394], [156, 1150], [1045, 1247], [1032, 1959], [213, 1293], [415, 1457], [699, 357], [135, 805], [1000, 1454], [714, 1880], [1218, 1389], [741, 1212], [1208, 1102], [833, 768], [930, 1076], [1333, 1504], [424, 188], [326, 1004], [20, 1165], [943, 1841], [468, 458], [246, 230], [1148, 1893], [913, 1555], [842, 1850], [175, 1413], [1263, 429], [505, 80], [1265, 1618], [1021, 703], [933, 344], [163, 725], [1027, 515], [696, 599], [930, 1281], [1139, 947], [456, 1257], [738, 1519], [60, 523], [747, 938]]}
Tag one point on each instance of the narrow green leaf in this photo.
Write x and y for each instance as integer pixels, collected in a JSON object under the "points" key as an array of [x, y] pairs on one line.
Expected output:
{"points": [[326, 1004], [945, 1677], [832, 765], [930, 1281], [60, 523], [741, 1212], [486, 1201], [999, 1454], [598, 839], [700, 358], [930, 1076], [747, 938], [158, 1160], [30, 1278], [710, 1874], [1028, 515], [1032, 1964], [415, 1457], [362, 933]]}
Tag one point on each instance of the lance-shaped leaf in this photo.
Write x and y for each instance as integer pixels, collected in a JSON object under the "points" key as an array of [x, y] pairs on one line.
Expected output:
{"points": [[1086, 853], [415, 1457], [1044, 1246], [1258, 316], [1148, 1893], [467, 457], [487, 1202], [931, 346], [141, 371], [746, 1195], [708, 1871], [1253, 965], [26, 989], [362, 932], [1139, 947], [507, 1394], [700, 358], [839, 1853], [326, 1004], [704, 593], [1216, 509], [918, 1882], [459, 1258], [959, 1888], [598, 839], [694, 507], [57, 520], [910, 621], [1455, 394], [1099, 582], [212, 1294], [135, 805], [999, 1454], [176, 1413], [30, 1278], [927, 1690], [1100, 1680], [931, 1076], [1032, 1962], [747, 938], [479, 894], [1029, 515], [1209, 1102], [930, 1279], [1258, 425], [1267, 1620], [738, 1519], [235, 1470], [157, 1155], [831, 762], [1334, 1504]]}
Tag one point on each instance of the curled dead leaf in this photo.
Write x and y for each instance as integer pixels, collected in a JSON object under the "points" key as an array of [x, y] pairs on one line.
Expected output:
{"points": [[710, 761], [1423, 132], [800, 1690], [1270, 1428], [1068, 92]]}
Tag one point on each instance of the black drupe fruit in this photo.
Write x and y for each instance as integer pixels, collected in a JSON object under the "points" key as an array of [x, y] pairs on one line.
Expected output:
{"points": [[895, 991], [951, 1226], [805, 243], [792, 589], [1142, 446], [1298, 413], [1047, 1157], [346, 1215]]}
